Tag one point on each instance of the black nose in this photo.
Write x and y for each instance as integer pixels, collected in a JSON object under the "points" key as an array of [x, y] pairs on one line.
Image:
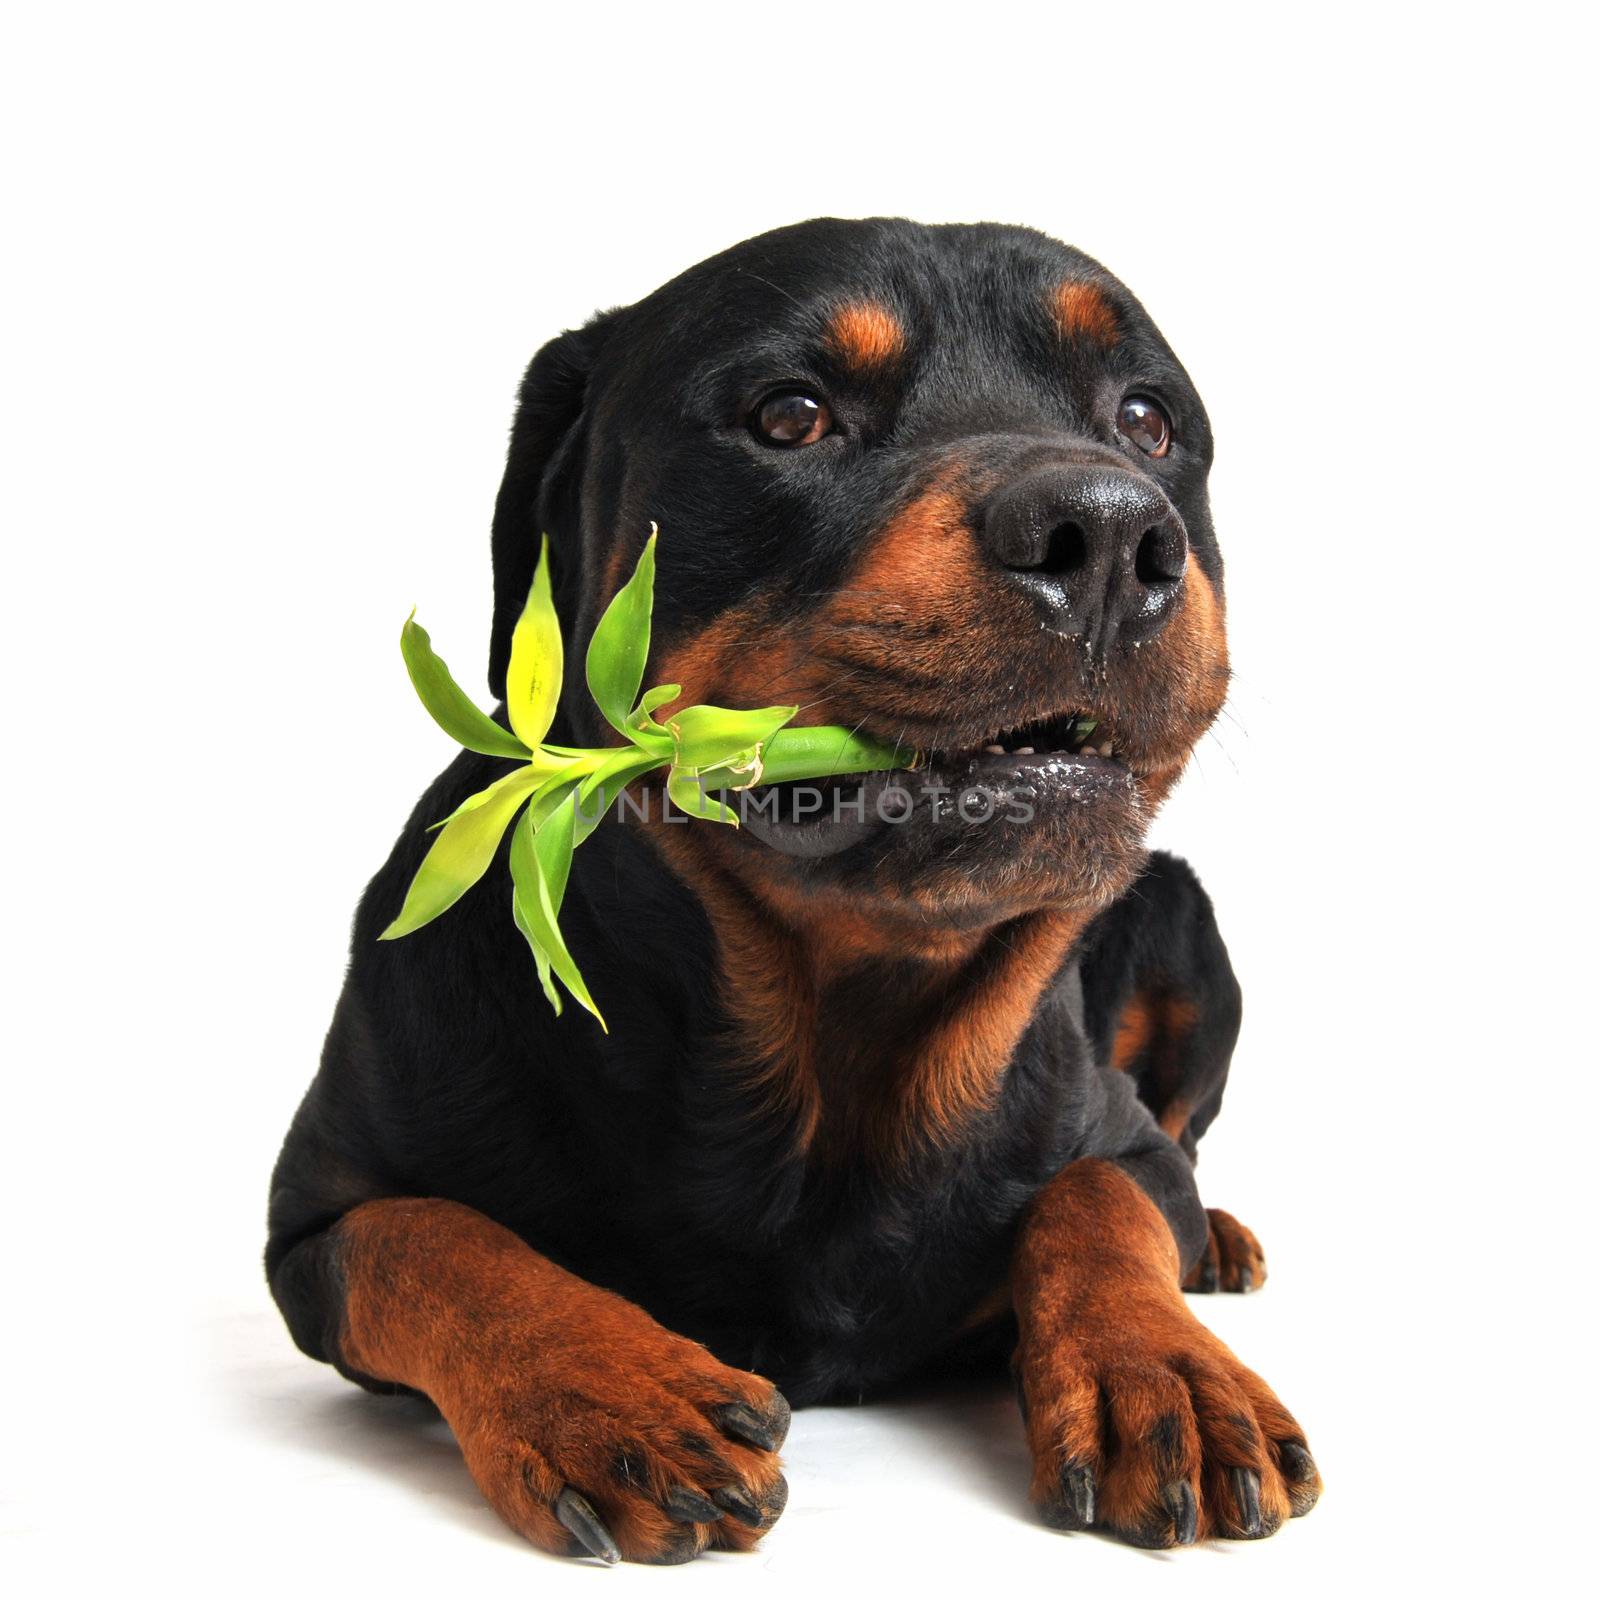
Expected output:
{"points": [[1103, 549]]}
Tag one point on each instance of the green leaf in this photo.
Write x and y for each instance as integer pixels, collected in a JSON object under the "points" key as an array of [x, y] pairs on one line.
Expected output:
{"points": [[533, 678], [688, 794], [643, 728], [461, 853], [621, 643], [533, 856], [552, 848], [653, 699], [447, 702], [555, 789], [708, 736], [543, 766], [541, 961], [553, 844], [600, 789]]}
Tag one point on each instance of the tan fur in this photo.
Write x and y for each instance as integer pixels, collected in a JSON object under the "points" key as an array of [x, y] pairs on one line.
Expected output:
{"points": [[1081, 312], [865, 335], [544, 1379], [1119, 1376]]}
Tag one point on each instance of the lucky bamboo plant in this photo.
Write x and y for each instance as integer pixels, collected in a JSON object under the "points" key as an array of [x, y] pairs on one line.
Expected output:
{"points": [[557, 795]]}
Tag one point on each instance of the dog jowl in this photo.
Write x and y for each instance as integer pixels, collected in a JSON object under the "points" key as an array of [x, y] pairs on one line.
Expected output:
{"points": [[890, 1090]]}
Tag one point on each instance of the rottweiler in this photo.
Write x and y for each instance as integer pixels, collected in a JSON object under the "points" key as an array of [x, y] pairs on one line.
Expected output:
{"points": [[887, 1092]]}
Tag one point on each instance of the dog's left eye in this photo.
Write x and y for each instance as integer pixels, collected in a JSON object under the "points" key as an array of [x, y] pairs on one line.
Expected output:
{"points": [[791, 418], [1145, 423]]}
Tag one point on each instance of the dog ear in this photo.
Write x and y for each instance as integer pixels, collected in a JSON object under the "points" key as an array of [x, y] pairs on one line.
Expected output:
{"points": [[541, 465]]}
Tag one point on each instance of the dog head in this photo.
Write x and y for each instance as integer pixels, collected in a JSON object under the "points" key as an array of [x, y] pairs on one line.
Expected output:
{"points": [[946, 484]]}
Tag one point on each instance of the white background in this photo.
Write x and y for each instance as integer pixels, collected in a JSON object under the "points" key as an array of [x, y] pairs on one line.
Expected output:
{"points": [[272, 276]]}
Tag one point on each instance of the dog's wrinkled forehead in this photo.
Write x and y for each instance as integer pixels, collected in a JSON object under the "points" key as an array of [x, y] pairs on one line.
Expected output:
{"points": [[963, 330]]}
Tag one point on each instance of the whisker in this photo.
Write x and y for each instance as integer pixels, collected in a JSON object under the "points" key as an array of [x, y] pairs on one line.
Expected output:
{"points": [[1211, 733], [746, 272]]}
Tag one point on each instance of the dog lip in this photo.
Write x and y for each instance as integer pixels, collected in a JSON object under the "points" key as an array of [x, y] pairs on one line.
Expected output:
{"points": [[828, 833], [1073, 776]]}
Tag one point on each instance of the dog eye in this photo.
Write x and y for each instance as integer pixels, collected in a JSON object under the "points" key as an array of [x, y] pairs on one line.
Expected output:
{"points": [[792, 418], [1143, 421]]}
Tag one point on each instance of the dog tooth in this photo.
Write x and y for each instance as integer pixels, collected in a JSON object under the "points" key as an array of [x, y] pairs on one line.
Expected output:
{"points": [[994, 749], [1025, 750]]}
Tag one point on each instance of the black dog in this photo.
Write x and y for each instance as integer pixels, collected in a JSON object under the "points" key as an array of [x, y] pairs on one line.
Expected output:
{"points": [[879, 1098]]}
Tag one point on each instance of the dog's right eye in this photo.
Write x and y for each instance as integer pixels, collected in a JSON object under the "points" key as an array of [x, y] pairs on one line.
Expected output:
{"points": [[791, 418]]}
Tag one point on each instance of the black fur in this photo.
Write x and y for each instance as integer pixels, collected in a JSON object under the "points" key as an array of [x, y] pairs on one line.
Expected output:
{"points": [[644, 1159]]}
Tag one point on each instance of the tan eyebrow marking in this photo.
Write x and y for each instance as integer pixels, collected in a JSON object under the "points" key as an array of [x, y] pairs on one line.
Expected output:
{"points": [[1081, 312], [865, 334]]}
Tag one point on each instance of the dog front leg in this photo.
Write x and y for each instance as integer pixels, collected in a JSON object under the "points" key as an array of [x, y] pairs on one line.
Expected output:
{"points": [[586, 1424], [1140, 1420]]}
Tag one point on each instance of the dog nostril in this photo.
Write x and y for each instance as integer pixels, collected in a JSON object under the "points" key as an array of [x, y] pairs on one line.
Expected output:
{"points": [[1160, 556], [1065, 550]]}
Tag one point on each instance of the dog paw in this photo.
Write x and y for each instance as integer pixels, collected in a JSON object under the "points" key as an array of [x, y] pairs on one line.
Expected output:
{"points": [[633, 1445], [1147, 1426], [1233, 1259]]}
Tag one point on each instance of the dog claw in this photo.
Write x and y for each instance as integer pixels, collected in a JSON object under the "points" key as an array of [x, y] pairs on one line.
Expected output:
{"points": [[765, 1433], [1247, 1280], [779, 1417], [1077, 1484], [1180, 1503], [1247, 1496], [684, 1505], [579, 1518], [1208, 1279], [739, 1505], [1300, 1473]]}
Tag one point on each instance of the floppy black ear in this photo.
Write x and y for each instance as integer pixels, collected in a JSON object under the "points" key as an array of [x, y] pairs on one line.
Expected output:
{"points": [[541, 465]]}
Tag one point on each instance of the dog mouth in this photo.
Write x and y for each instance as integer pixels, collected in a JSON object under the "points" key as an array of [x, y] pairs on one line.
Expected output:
{"points": [[1076, 733], [1067, 760]]}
